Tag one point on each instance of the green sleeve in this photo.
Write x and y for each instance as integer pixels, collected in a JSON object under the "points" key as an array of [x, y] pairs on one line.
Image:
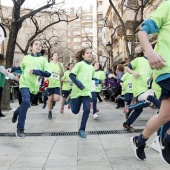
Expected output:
{"points": [[134, 63], [45, 65], [64, 77], [75, 69], [22, 66], [160, 15]]}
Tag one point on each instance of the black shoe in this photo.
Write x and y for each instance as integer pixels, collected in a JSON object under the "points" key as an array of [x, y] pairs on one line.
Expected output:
{"points": [[117, 107], [14, 118], [1, 115], [128, 127], [164, 149], [50, 115], [20, 133], [139, 151], [44, 106]]}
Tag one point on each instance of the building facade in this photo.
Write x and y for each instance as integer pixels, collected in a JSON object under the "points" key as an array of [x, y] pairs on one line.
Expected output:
{"points": [[113, 32], [81, 31], [55, 35]]}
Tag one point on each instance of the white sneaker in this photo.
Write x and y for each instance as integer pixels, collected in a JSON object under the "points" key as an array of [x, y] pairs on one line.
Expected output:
{"points": [[145, 95], [154, 145], [95, 116]]}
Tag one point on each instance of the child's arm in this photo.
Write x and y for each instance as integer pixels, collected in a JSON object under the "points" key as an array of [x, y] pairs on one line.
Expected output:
{"points": [[40, 73], [130, 71], [75, 81]]}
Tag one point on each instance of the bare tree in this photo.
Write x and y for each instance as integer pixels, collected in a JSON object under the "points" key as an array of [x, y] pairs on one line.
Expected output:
{"points": [[16, 24]]}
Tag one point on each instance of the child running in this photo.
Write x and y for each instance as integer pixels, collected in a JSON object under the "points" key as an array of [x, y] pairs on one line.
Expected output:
{"points": [[57, 70], [159, 60], [82, 75], [33, 68], [66, 86], [100, 75]]}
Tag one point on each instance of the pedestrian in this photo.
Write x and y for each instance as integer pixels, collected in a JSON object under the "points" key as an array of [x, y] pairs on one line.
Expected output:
{"points": [[100, 75], [119, 72], [57, 70], [158, 22], [3, 74], [82, 75], [33, 67], [66, 86]]}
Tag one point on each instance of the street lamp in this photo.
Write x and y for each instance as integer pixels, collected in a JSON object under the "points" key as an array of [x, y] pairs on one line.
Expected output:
{"points": [[109, 49]]}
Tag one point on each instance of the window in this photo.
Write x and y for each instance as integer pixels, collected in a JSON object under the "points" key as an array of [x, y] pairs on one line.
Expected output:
{"points": [[76, 33]]}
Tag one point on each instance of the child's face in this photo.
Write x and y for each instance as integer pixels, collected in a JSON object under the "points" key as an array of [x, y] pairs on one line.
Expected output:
{"points": [[71, 67], [96, 66], [36, 47], [55, 56], [88, 55]]}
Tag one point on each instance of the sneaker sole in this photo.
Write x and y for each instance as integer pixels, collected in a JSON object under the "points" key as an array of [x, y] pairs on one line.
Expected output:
{"points": [[82, 136], [129, 129], [159, 148], [134, 149], [18, 136]]}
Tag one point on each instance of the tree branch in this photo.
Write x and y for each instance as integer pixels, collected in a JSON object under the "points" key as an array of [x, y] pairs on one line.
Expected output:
{"points": [[21, 19]]}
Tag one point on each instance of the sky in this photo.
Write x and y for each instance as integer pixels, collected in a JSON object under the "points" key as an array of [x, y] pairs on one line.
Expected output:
{"points": [[36, 3]]}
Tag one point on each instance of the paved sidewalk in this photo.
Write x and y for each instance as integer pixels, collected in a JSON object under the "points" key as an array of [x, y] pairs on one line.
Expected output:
{"points": [[96, 152]]}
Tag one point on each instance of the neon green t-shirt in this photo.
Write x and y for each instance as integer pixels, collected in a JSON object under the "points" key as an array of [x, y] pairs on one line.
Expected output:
{"points": [[30, 80], [161, 16], [140, 84], [101, 76], [127, 80], [67, 85], [84, 73], [157, 89], [54, 79]]}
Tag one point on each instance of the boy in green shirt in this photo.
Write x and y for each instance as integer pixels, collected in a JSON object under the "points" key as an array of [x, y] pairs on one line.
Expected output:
{"points": [[66, 86], [159, 60], [57, 70], [100, 75]]}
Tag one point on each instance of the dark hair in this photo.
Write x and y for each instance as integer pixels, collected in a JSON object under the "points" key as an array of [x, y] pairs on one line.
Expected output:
{"points": [[53, 54], [69, 65], [43, 52], [79, 55], [120, 67], [1, 58], [32, 42], [100, 67]]}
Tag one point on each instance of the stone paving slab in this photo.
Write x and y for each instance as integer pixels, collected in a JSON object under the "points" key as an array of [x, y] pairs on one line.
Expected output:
{"points": [[96, 152]]}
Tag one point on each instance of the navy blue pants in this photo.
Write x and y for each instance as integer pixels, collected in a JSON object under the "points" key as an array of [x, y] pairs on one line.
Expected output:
{"points": [[94, 101], [75, 105], [128, 98], [21, 111]]}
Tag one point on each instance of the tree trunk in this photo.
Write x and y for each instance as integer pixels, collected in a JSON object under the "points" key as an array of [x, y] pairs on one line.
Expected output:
{"points": [[9, 61]]}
